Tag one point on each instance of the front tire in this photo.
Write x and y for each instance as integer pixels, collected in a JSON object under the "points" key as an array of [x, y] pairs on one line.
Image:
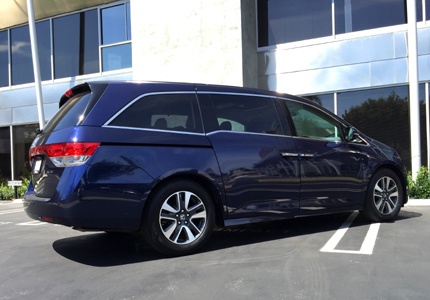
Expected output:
{"points": [[179, 219], [384, 196]]}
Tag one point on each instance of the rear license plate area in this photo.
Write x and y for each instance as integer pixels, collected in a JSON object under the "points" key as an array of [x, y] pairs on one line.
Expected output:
{"points": [[37, 166]]}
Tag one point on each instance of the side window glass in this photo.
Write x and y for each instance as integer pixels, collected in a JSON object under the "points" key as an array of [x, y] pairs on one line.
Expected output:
{"points": [[313, 123], [174, 112], [245, 114]]}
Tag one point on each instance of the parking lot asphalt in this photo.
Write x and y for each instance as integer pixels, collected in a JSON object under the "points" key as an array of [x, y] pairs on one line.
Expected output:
{"points": [[339, 256]]}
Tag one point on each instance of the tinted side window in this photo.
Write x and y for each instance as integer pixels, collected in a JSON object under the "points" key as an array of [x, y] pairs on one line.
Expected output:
{"points": [[313, 123], [175, 112], [243, 113]]}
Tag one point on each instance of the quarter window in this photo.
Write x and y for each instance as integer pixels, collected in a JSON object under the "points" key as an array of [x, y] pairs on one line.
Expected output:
{"points": [[313, 123], [243, 114], [174, 112]]}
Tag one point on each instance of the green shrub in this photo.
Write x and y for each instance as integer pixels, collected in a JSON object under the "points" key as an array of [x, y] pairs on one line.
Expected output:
{"points": [[420, 188], [7, 192]]}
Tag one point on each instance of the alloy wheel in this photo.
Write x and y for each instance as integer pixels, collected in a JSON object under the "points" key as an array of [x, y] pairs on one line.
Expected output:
{"points": [[182, 217], [386, 195]]}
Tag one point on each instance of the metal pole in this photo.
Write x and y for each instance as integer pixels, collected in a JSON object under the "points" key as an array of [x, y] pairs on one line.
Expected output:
{"points": [[428, 123], [414, 104], [12, 151], [36, 67]]}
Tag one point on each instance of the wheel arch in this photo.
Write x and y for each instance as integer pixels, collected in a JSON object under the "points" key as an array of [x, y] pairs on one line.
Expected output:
{"points": [[206, 183], [399, 174]]}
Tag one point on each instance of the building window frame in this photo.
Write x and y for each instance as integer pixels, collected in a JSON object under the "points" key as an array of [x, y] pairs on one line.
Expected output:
{"points": [[341, 36], [98, 37]]}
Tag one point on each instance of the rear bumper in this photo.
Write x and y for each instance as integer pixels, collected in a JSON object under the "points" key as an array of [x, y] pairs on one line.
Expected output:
{"points": [[96, 214]]}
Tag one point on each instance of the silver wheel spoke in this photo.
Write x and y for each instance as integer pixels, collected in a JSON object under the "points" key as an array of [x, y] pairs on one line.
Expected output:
{"points": [[177, 234], [191, 236], [169, 231], [378, 204], [187, 199], [378, 188], [169, 208], [391, 204], [200, 215], [167, 217], [194, 227]]}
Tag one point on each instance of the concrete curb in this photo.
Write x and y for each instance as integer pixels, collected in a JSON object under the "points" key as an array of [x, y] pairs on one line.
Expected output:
{"points": [[418, 202], [17, 201]]}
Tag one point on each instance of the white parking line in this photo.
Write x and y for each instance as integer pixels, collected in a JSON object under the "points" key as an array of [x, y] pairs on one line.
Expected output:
{"points": [[367, 245], [32, 223], [11, 211]]}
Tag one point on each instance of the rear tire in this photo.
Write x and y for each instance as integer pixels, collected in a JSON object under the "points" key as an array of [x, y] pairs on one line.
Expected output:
{"points": [[384, 196], [179, 219]]}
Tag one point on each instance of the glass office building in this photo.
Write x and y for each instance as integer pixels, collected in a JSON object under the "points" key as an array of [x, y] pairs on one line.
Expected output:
{"points": [[350, 56]]}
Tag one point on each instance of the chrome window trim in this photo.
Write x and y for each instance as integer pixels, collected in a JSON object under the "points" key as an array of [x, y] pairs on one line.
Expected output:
{"points": [[366, 143], [237, 94], [155, 130], [246, 132]]}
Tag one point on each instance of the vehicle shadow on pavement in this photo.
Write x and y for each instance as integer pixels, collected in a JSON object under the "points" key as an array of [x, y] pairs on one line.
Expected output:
{"points": [[113, 249]]}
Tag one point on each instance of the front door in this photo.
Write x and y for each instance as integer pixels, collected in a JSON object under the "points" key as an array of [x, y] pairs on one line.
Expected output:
{"points": [[331, 170]]}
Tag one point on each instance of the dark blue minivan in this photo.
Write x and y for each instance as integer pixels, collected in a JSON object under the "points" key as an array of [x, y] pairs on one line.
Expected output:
{"points": [[173, 160]]}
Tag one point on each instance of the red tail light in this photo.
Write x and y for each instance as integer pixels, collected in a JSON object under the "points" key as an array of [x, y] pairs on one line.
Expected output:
{"points": [[66, 154]]}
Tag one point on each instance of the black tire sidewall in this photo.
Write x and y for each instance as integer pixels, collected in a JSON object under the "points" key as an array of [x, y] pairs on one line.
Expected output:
{"points": [[151, 228], [370, 210]]}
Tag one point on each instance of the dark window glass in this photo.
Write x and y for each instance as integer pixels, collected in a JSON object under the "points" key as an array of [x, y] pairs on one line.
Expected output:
{"points": [[4, 60], [116, 57], [244, 114], [313, 123], [326, 101], [23, 136], [283, 21], [383, 114], [22, 62], [76, 44], [5, 166], [176, 112], [427, 9], [419, 7], [114, 27], [43, 32], [70, 114], [127, 6], [356, 15]]}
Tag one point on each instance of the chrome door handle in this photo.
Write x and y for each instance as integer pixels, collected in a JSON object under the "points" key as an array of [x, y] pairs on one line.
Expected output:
{"points": [[289, 154], [307, 155]]}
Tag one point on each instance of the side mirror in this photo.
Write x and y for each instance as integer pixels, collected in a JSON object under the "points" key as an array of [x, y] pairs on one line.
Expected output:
{"points": [[351, 134]]}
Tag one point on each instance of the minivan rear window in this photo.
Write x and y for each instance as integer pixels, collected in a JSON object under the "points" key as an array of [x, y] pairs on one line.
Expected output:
{"points": [[70, 114]]}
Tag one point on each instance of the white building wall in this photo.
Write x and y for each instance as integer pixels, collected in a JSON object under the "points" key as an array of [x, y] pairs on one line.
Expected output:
{"points": [[187, 41]]}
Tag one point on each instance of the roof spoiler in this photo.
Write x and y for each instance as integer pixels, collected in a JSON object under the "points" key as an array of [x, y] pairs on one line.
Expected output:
{"points": [[81, 88]]}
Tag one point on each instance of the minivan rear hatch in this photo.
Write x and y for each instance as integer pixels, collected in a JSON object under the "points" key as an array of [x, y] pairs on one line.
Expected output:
{"points": [[50, 152]]}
